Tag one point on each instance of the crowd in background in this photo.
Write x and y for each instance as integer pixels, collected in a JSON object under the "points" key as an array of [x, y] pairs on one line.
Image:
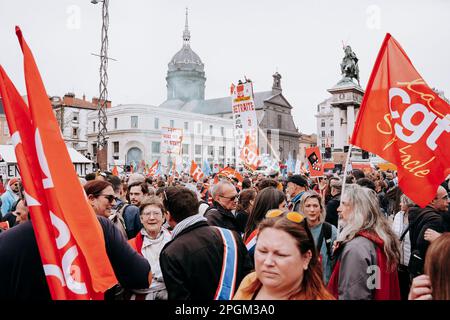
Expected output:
{"points": [[282, 237]]}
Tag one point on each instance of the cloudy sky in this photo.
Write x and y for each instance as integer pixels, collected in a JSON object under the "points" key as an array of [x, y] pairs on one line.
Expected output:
{"points": [[300, 39]]}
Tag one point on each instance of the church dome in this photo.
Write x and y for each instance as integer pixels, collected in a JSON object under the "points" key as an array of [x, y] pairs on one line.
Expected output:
{"points": [[186, 58]]}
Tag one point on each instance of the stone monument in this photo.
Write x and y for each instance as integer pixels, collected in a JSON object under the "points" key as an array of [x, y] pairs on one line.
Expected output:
{"points": [[346, 99]]}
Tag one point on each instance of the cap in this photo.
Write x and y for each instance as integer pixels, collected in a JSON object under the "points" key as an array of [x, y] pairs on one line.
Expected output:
{"points": [[12, 181], [298, 180]]}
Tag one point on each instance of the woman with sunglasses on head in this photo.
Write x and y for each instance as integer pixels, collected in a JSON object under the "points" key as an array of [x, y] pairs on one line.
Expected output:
{"points": [[367, 250], [267, 199], [149, 243], [101, 196], [286, 263], [324, 233]]}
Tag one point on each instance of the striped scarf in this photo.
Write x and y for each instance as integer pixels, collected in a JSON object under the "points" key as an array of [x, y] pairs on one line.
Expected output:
{"points": [[187, 223]]}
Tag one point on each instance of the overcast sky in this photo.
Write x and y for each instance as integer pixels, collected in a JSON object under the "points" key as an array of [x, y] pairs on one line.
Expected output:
{"points": [[300, 39]]}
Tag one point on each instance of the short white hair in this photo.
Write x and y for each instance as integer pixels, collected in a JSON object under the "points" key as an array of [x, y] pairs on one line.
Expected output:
{"points": [[217, 189]]}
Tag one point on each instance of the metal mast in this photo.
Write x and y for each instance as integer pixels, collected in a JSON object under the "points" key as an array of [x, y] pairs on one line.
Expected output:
{"points": [[102, 143]]}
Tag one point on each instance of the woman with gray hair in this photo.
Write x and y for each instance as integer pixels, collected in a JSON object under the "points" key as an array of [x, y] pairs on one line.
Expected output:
{"points": [[367, 251], [324, 233], [401, 229]]}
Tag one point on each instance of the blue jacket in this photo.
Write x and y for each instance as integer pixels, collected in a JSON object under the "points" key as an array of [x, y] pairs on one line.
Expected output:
{"points": [[8, 199]]}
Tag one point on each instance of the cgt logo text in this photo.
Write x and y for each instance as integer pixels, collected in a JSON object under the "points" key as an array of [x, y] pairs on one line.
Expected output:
{"points": [[410, 132]]}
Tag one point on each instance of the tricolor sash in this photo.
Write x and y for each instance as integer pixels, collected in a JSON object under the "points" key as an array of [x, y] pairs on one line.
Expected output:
{"points": [[250, 243], [227, 282]]}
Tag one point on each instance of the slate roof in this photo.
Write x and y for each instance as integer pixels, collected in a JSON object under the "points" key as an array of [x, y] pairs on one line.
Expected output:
{"points": [[213, 106]]}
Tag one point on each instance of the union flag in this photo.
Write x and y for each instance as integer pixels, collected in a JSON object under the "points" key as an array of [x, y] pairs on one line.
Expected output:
{"points": [[404, 121]]}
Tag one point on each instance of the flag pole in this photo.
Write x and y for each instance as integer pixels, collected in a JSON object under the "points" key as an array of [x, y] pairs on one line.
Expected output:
{"points": [[345, 171]]}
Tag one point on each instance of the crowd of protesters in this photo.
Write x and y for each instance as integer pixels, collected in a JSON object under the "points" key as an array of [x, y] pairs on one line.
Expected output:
{"points": [[265, 237]]}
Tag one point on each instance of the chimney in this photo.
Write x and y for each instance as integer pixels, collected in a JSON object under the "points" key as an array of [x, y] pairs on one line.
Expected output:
{"points": [[84, 97]]}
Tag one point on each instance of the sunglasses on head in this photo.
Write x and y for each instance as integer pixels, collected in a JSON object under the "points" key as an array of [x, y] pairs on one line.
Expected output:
{"points": [[290, 215]]}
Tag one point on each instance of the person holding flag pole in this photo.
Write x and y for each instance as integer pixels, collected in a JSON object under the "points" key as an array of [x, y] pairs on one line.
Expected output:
{"points": [[60, 254]]}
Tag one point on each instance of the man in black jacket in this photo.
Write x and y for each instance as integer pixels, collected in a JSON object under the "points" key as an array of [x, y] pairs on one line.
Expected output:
{"points": [[192, 262], [430, 217], [22, 274], [225, 199], [332, 216]]}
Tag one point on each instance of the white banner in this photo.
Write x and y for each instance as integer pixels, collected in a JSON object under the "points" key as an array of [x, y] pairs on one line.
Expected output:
{"points": [[171, 140], [244, 115]]}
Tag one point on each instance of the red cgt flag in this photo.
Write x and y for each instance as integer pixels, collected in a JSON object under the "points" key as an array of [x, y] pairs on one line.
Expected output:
{"points": [[315, 162], [71, 244], [250, 155], [230, 173], [405, 122], [196, 172]]}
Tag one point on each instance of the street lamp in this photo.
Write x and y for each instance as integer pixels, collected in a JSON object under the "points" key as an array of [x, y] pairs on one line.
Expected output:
{"points": [[102, 143]]}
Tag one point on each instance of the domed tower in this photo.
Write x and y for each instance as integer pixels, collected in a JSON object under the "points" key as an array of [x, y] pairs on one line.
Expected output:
{"points": [[186, 76]]}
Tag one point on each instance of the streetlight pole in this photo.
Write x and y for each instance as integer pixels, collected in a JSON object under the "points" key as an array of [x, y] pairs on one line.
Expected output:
{"points": [[102, 143]]}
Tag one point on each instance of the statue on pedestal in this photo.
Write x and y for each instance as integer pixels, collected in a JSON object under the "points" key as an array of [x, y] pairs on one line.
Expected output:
{"points": [[349, 65]]}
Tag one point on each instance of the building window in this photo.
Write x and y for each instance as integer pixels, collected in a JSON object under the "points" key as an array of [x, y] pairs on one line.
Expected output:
{"points": [[323, 143], [331, 124], [75, 117], [115, 123], [210, 130], [185, 148], [156, 123], [186, 126], [332, 133], [233, 151], [323, 134], [199, 128], [156, 147], [93, 126], [322, 123], [134, 122], [222, 151], [74, 133], [172, 123], [211, 151], [279, 121], [332, 145], [198, 149], [94, 149], [222, 131], [116, 146]]}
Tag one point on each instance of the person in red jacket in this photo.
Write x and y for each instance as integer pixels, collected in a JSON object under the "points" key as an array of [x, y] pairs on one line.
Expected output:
{"points": [[366, 251]]}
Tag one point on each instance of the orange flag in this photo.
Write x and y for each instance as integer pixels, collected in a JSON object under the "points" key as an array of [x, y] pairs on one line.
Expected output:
{"points": [[196, 171], [250, 155], [405, 122], [81, 268], [230, 173], [115, 171], [315, 162], [153, 168]]}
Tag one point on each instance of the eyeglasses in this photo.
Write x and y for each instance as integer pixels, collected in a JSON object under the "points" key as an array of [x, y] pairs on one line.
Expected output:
{"points": [[291, 215], [233, 198], [110, 197], [152, 213]]}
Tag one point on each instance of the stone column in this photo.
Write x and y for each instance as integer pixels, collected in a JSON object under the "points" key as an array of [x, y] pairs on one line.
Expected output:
{"points": [[337, 129], [350, 122]]}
